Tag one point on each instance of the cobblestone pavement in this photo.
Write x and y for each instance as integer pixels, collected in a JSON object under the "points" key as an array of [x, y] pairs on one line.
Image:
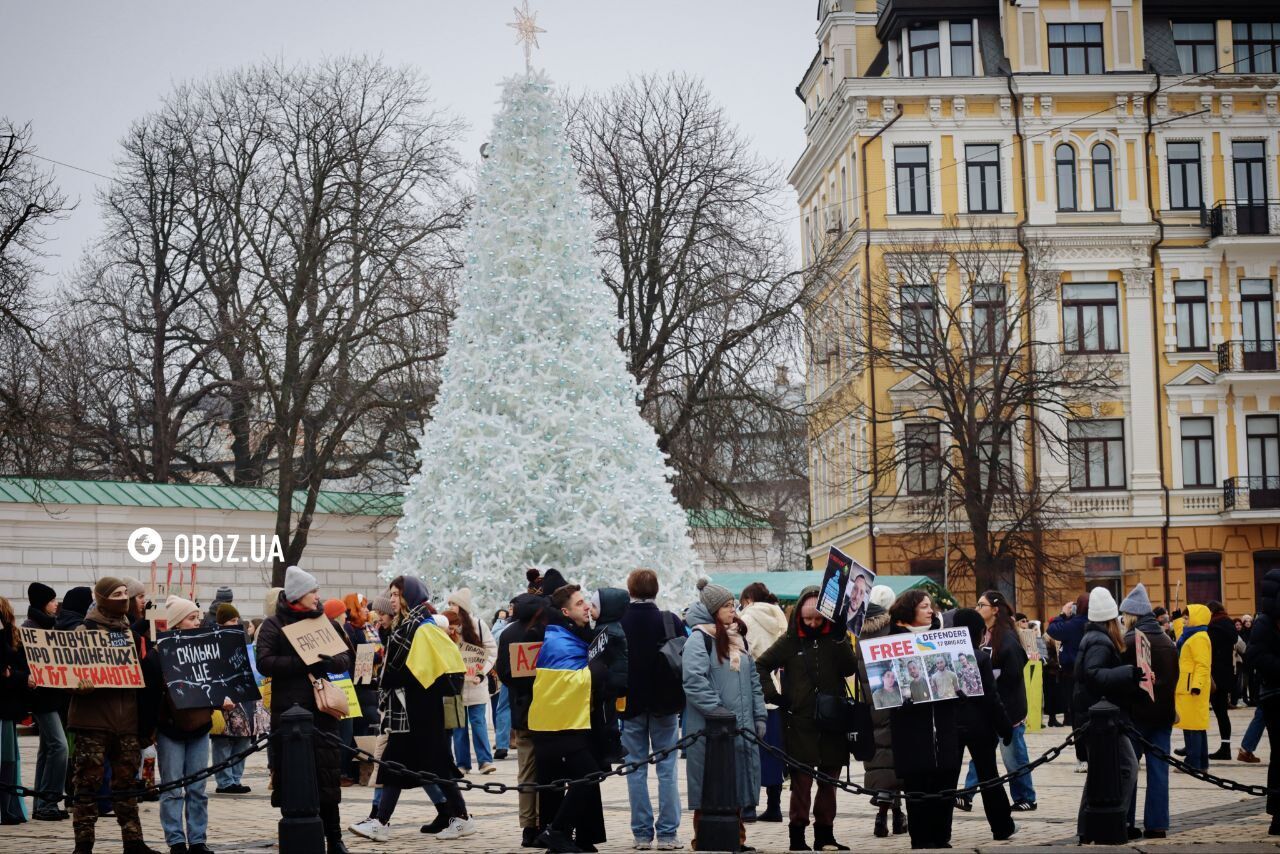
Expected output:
{"points": [[1203, 815]]}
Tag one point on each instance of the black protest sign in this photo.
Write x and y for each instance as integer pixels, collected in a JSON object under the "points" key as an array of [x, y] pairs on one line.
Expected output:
{"points": [[202, 667], [597, 645]]}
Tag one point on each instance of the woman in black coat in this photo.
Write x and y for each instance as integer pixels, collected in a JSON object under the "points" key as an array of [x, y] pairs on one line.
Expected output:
{"points": [[291, 683], [926, 740], [1262, 658], [983, 723]]}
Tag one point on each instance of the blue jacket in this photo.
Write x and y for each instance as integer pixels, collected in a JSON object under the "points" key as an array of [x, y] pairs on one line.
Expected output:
{"points": [[1068, 631]]}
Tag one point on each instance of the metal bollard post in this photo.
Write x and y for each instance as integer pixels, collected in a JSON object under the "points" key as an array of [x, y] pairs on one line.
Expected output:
{"points": [[1105, 811], [300, 828], [717, 828]]}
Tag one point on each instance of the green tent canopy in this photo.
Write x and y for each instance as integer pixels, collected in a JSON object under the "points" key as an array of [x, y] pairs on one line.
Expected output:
{"points": [[787, 585]]}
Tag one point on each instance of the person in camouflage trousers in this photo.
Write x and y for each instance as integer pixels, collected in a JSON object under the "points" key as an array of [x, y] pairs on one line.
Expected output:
{"points": [[106, 726]]}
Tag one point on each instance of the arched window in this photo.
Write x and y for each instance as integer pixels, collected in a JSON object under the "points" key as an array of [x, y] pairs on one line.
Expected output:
{"points": [[1103, 191], [1065, 161]]}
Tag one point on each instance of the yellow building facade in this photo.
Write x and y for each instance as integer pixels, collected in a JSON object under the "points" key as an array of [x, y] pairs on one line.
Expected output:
{"points": [[1135, 143]]}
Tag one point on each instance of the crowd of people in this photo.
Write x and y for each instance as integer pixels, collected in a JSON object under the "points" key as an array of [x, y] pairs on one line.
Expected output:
{"points": [[574, 681]]}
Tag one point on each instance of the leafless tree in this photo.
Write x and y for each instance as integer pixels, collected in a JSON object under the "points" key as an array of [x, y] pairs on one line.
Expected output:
{"points": [[968, 320], [30, 201], [707, 297]]}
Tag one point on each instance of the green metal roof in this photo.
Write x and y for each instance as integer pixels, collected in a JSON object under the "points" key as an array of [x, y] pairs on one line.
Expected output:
{"points": [[25, 490], [787, 585]]}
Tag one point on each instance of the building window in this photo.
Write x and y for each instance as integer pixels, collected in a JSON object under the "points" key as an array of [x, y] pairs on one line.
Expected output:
{"points": [[988, 319], [961, 49], [1184, 176], [1262, 438], [911, 168], [1197, 47], [1191, 306], [917, 319], [1103, 195], [1095, 453], [982, 165], [1197, 452], [1257, 313], [1104, 571], [1090, 318], [1204, 577], [924, 55], [1257, 47], [995, 455], [1075, 49], [1064, 159], [924, 458]]}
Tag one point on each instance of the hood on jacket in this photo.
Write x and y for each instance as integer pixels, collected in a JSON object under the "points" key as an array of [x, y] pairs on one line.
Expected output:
{"points": [[1197, 615], [526, 606], [74, 606], [793, 623], [613, 604], [774, 619], [1269, 594], [698, 615], [414, 592]]}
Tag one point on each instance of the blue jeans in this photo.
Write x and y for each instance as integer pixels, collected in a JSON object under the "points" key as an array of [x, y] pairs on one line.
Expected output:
{"points": [[1197, 742], [432, 790], [1252, 736], [223, 747], [51, 758], [476, 720], [177, 759], [642, 735], [502, 720], [1014, 756], [1155, 811]]}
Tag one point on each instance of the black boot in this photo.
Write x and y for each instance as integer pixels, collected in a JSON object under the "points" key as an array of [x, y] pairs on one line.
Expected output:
{"points": [[1274, 829], [797, 838], [882, 823], [335, 845], [1222, 753], [773, 810], [1053, 720], [332, 821], [899, 821], [529, 837], [824, 839], [439, 823]]}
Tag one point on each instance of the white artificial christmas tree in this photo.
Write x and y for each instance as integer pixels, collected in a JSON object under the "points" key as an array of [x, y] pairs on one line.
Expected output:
{"points": [[536, 454]]}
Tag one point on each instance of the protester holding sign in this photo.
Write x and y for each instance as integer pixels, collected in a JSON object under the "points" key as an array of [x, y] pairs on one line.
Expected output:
{"points": [[14, 684], [105, 723], [608, 607], [926, 740], [476, 693], [291, 678], [241, 724], [878, 770], [517, 656], [1152, 716], [182, 730], [48, 708], [816, 658]]}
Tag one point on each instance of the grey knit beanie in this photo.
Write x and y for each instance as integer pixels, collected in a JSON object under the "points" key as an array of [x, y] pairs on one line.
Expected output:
{"points": [[298, 583], [713, 596]]}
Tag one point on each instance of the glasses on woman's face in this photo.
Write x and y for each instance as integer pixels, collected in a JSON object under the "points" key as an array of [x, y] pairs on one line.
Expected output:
{"points": [[983, 604]]}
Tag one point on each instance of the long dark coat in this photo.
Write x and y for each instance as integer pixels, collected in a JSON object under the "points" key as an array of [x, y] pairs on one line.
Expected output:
{"points": [[811, 663], [289, 685], [879, 773]]}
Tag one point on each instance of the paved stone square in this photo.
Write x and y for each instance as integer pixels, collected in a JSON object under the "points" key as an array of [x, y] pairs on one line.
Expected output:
{"points": [[1203, 815]]}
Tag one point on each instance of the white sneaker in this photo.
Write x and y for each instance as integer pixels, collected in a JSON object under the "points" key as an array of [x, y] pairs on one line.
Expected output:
{"points": [[373, 829], [672, 844], [458, 828], [1082, 767], [642, 845]]}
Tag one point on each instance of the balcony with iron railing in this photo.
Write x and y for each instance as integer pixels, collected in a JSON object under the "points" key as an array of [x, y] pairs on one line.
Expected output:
{"points": [[1236, 218], [1251, 492], [1248, 356]]}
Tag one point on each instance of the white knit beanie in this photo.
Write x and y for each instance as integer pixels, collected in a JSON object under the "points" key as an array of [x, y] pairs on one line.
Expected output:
{"points": [[177, 609], [882, 595], [1102, 605]]}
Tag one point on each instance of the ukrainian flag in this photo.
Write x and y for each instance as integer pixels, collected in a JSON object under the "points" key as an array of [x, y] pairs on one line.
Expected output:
{"points": [[562, 684], [432, 654]]}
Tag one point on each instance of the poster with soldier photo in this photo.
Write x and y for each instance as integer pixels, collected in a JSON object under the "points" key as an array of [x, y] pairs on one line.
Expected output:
{"points": [[857, 596], [923, 668]]}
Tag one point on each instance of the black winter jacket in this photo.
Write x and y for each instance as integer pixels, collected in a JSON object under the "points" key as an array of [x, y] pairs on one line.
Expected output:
{"points": [[1262, 656], [986, 714], [1008, 665], [1164, 667], [926, 736], [647, 628], [1101, 675], [1222, 640], [528, 625], [45, 699]]}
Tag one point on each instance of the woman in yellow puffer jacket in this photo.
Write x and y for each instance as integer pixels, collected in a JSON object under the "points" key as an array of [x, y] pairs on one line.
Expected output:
{"points": [[1194, 683]]}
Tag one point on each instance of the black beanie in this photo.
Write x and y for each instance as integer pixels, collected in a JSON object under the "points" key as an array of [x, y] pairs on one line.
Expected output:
{"points": [[552, 581], [40, 595]]}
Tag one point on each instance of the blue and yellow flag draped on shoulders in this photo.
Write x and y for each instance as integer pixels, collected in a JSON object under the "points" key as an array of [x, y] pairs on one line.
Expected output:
{"points": [[432, 654], [562, 684]]}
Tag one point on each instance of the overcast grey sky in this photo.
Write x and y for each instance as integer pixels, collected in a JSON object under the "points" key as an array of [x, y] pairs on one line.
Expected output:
{"points": [[80, 72]]}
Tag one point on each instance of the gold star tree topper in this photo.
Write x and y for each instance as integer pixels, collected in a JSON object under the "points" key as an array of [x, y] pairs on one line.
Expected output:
{"points": [[527, 29]]}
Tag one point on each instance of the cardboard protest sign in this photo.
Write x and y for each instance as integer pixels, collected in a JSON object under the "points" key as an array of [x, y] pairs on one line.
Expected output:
{"points": [[204, 666], [1142, 653], [1028, 637], [924, 668], [63, 659], [831, 593], [365, 654], [313, 638], [524, 659], [857, 596], [473, 657]]}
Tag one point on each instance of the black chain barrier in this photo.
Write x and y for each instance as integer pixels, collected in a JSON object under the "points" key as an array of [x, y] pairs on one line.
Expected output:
{"points": [[496, 788], [259, 743], [1173, 761], [884, 795]]}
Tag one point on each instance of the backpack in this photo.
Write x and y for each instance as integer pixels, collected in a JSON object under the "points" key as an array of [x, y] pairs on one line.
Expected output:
{"points": [[668, 680]]}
